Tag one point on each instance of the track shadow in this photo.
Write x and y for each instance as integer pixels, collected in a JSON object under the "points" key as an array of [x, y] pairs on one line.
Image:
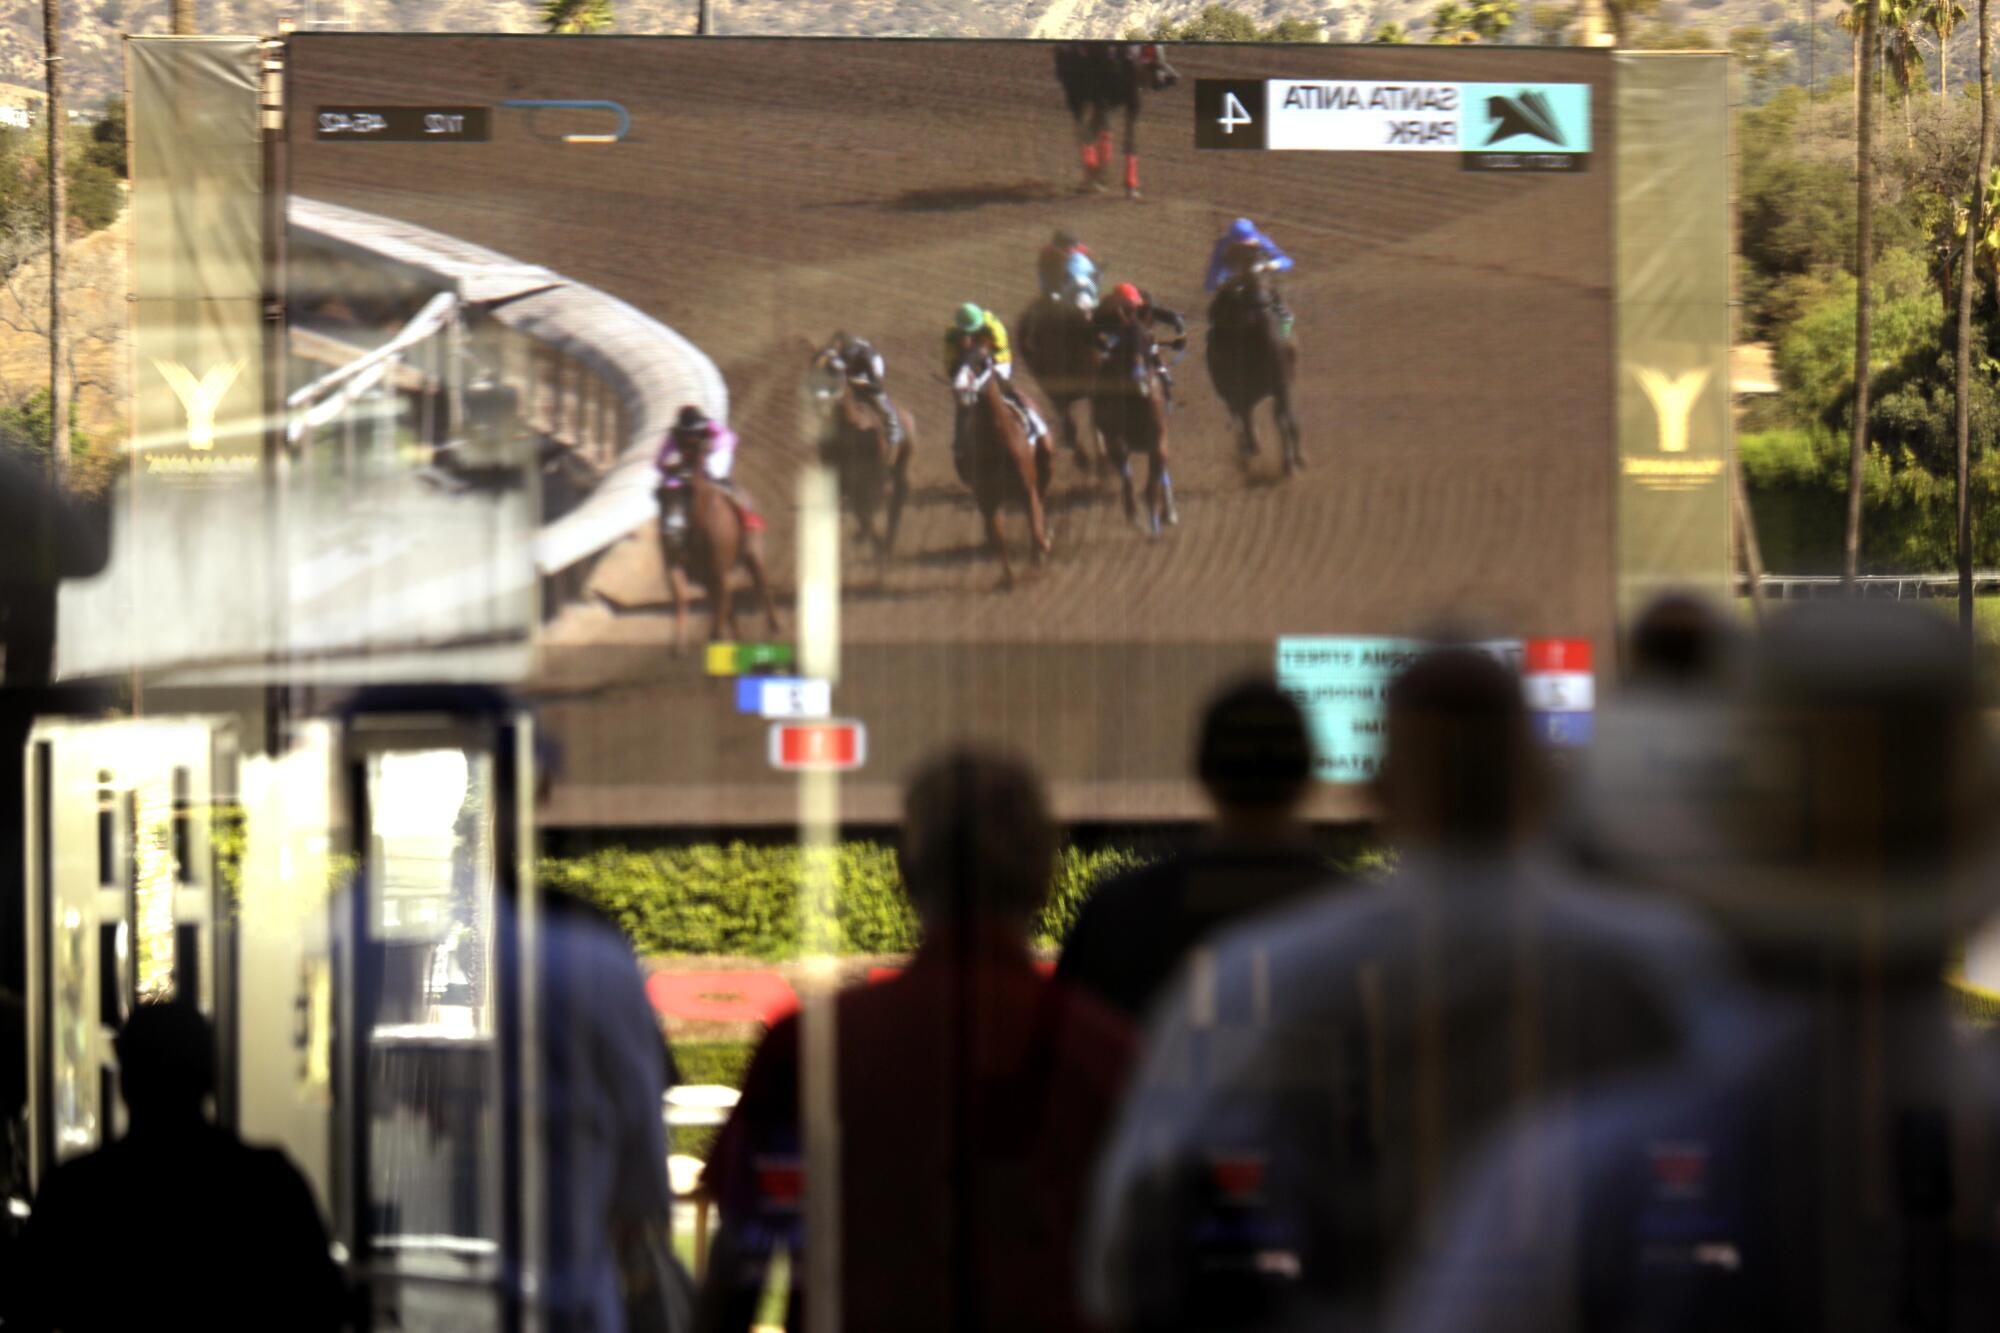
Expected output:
{"points": [[959, 198]]}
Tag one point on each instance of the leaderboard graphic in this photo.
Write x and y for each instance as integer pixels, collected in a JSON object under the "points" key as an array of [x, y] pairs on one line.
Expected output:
{"points": [[1409, 419], [1494, 126]]}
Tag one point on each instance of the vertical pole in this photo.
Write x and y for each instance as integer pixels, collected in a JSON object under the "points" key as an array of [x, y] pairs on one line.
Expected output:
{"points": [[1864, 245], [58, 217], [1975, 227], [819, 813], [183, 19], [703, 24]]}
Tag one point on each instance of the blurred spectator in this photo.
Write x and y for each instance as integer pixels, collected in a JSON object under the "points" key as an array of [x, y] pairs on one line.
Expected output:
{"points": [[1682, 641], [1832, 1167], [1685, 674], [606, 1068], [178, 1224], [972, 1095], [1314, 1077], [1254, 759]]}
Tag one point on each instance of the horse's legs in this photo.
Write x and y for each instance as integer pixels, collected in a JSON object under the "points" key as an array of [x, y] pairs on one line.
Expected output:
{"points": [[1072, 438], [753, 560], [1288, 430], [1246, 433], [1123, 462], [899, 492], [1132, 147], [1103, 140], [677, 582], [722, 607], [996, 541], [1038, 524]]}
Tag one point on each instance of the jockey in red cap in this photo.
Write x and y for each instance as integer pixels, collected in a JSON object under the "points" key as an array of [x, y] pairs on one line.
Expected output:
{"points": [[1128, 308]]}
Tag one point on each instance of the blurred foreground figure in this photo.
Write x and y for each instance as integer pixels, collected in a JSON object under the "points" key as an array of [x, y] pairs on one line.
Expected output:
{"points": [[1835, 1166], [1254, 759], [178, 1224], [606, 1067], [1315, 1077], [973, 1095], [1682, 641]]}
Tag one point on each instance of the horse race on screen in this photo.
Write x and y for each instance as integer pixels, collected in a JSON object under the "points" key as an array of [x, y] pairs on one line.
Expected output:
{"points": [[1129, 359]]}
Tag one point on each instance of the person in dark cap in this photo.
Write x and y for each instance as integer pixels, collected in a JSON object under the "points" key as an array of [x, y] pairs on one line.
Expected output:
{"points": [[178, 1224], [1314, 1076], [1253, 757], [1832, 1166]]}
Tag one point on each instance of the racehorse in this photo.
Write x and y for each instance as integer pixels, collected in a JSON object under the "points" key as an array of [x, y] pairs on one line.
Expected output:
{"points": [[1057, 345], [994, 459], [854, 442], [1250, 359], [1129, 406], [1098, 78], [704, 534]]}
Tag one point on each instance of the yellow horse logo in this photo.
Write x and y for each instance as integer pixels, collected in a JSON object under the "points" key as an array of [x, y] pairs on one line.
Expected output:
{"points": [[1673, 402], [200, 397]]}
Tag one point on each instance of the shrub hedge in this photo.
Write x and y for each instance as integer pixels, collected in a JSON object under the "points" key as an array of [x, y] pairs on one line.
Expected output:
{"points": [[743, 900]]}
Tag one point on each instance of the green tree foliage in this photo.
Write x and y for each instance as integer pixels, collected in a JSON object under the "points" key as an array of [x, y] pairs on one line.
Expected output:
{"points": [[94, 194], [1549, 24], [1797, 222], [1220, 23], [24, 426], [577, 15], [1764, 67], [1294, 29], [1391, 33], [1625, 16], [742, 900], [107, 139], [1216, 23], [1795, 208]]}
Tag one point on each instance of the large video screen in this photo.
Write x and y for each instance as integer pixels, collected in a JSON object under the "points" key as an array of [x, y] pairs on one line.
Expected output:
{"points": [[637, 226]]}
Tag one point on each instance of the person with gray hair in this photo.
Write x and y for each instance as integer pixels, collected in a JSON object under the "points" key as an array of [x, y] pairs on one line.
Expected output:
{"points": [[1314, 1077], [1832, 1165], [972, 1095]]}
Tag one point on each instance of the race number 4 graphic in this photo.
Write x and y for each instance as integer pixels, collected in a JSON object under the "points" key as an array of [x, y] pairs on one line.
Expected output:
{"points": [[1229, 113]]}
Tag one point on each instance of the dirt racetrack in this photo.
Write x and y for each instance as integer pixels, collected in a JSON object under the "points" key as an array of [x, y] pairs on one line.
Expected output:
{"points": [[1455, 332]]}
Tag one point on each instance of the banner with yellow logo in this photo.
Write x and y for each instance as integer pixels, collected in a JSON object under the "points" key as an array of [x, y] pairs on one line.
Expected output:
{"points": [[1673, 250]]}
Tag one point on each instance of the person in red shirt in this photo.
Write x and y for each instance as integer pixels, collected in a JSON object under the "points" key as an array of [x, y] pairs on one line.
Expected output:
{"points": [[972, 1096]]}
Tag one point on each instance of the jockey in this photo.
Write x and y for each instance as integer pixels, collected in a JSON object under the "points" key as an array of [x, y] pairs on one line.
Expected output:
{"points": [[1130, 307], [974, 327], [696, 440], [865, 370], [1236, 251], [1067, 272]]}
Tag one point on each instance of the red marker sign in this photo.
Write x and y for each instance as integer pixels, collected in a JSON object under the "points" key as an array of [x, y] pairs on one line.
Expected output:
{"points": [[1557, 655], [818, 746]]}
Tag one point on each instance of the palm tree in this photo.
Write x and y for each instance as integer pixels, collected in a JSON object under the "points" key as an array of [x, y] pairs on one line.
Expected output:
{"points": [[1864, 298], [1942, 17], [1849, 21], [577, 15], [58, 128], [1979, 235], [1899, 22]]}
